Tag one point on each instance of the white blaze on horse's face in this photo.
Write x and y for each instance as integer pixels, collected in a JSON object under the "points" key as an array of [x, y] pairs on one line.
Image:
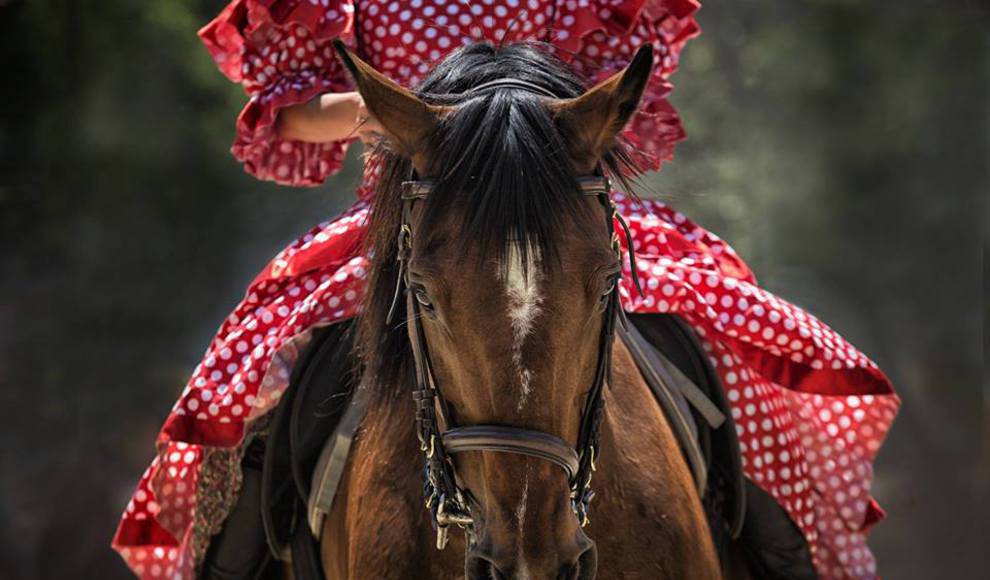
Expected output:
{"points": [[523, 573], [523, 292]]}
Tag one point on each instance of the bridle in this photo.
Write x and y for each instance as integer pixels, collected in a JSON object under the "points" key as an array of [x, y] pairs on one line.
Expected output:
{"points": [[447, 501]]}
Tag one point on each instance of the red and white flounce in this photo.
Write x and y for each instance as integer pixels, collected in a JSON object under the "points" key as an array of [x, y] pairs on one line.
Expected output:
{"points": [[281, 53], [600, 38], [811, 411]]}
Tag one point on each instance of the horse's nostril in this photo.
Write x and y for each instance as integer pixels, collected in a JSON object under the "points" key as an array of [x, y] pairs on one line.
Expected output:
{"points": [[481, 568], [570, 573], [586, 566]]}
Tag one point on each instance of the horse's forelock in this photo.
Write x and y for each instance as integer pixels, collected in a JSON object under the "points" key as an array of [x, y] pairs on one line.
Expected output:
{"points": [[503, 169]]}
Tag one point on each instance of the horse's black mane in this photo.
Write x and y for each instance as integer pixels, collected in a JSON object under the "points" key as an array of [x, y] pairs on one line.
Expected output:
{"points": [[505, 167]]}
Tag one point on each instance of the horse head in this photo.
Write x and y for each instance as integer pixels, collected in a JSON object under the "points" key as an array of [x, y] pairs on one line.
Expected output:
{"points": [[495, 283]]}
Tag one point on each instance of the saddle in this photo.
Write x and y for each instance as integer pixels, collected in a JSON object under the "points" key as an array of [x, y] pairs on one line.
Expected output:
{"points": [[290, 477]]}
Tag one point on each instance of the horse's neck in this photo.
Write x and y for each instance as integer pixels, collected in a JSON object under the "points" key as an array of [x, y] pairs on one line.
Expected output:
{"points": [[378, 527], [644, 486], [646, 519], [636, 428]]}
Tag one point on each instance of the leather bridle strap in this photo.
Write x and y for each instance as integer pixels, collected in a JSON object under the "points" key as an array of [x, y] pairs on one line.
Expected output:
{"points": [[513, 440], [444, 497], [591, 185], [510, 83]]}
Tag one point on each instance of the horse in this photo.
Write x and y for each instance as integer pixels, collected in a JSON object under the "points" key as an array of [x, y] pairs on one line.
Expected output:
{"points": [[487, 341]]}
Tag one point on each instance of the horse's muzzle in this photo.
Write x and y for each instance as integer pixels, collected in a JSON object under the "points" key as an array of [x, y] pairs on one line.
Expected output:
{"points": [[579, 562]]}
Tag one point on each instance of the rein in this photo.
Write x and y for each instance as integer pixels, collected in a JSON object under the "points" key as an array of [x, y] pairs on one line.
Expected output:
{"points": [[439, 438]]}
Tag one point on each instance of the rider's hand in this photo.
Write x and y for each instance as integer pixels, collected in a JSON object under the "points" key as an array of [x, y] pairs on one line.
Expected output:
{"points": [[369, 130]]}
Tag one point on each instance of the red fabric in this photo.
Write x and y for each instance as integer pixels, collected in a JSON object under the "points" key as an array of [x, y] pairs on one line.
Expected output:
{"points": [[280, 52], [811, 410]]}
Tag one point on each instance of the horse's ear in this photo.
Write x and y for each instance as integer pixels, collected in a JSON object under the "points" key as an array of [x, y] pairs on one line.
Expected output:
{"points": [[590, 122], [408, 120]]}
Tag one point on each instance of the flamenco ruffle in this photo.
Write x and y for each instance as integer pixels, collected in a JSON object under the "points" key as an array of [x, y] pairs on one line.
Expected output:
{"points": [[600, 38], [281, 53], [811, 411], [186, 493]]}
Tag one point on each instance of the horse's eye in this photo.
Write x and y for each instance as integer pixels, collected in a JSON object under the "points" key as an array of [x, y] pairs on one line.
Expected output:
{"points": [[610, 285], [424, 300]]}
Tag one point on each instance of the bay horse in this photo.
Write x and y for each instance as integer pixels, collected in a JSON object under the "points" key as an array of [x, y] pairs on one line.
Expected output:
{"points": [[493, 298]]}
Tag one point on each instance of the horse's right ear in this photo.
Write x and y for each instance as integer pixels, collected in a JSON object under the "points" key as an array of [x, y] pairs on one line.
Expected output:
{"points": [[408, 120], [590, 122]]}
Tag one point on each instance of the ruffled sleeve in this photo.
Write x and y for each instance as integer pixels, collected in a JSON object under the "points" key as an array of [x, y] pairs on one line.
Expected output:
{"points": [[280, 51], [600, 37]]}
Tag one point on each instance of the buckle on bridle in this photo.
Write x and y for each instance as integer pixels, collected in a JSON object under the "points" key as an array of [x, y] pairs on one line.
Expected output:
{"points": [[580, 500], [444, 519], [402, 256], [404, 242]]}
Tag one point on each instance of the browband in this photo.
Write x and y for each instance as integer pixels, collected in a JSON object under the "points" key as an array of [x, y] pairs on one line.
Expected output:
{"points": [[590, 185], [510, 84]]}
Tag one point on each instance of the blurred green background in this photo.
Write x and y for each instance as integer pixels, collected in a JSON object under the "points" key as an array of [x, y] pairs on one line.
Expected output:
{"points": [[840, 145]]}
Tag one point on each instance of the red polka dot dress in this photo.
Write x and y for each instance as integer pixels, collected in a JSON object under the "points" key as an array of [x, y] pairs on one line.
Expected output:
{"points": [[810, 410]]}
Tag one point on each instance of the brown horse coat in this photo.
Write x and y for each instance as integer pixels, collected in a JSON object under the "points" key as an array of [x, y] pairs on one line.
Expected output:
{"points": [[647, 518]]}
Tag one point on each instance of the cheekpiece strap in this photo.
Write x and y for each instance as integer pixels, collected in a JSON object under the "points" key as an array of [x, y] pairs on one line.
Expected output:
{"points": [[444, 498]]}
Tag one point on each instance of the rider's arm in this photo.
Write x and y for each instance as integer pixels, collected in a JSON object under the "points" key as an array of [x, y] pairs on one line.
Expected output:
{"points": [[328, 117]]}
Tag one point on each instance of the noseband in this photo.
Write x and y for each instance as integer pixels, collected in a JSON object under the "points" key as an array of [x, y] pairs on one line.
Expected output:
{"points": [[446, 500]]}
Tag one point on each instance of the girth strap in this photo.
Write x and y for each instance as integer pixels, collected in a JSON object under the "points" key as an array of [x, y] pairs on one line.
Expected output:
{"points": [[513, 440]]}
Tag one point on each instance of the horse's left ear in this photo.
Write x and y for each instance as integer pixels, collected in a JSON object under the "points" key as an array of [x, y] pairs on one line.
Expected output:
{"points": [[408, 120], [590, 122]]}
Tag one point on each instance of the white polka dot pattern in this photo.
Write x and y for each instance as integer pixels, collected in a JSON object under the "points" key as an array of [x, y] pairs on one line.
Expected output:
{"points": [[163, 516], [808, 431], [810, 410], [280, 52]]}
